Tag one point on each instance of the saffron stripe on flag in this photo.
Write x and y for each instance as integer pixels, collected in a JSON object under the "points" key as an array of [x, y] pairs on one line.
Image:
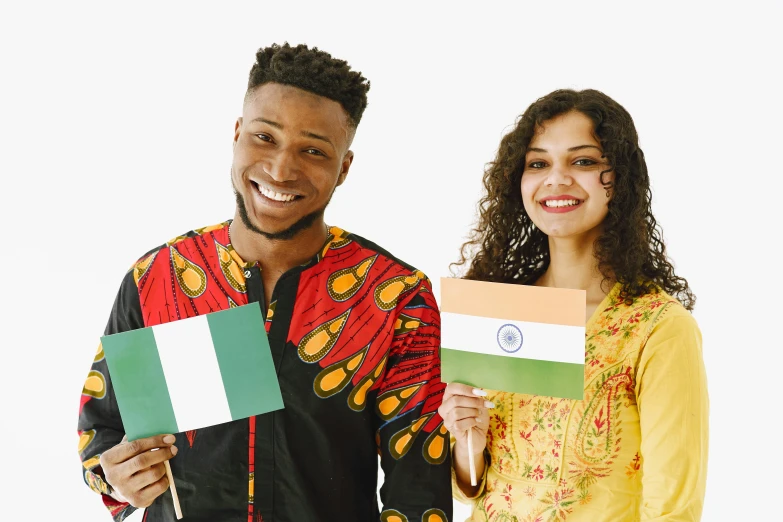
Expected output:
{"points": [[513, 302], [241, 347], [192, 373], [140, 385]]}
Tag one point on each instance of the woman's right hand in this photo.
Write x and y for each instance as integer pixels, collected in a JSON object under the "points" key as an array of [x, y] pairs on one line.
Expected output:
{"points": [[465, 408]]}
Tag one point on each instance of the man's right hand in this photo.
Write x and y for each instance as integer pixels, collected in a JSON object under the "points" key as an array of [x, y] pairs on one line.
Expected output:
{"points": [[135, 469]]}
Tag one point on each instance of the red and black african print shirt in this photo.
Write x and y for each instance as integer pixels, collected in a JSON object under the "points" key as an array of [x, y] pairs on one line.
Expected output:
{"points": [[354, 335]]}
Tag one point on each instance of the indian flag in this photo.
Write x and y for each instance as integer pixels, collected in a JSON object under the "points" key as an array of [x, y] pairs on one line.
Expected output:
{"points": [[193, 373], [515, 338]]}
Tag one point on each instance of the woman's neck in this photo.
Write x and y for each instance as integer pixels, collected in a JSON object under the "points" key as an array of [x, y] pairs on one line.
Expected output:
{"points": [[572, 264]]}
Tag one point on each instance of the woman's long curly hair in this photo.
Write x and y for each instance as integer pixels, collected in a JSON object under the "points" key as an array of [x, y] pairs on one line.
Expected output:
{"points": [[505, 245]]}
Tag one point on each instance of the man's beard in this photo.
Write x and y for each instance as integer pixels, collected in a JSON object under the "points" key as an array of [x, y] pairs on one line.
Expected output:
{"points": [[303, 223]]}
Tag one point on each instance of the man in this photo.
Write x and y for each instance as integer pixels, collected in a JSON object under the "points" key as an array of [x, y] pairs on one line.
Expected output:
{"points": [[354, 334]]}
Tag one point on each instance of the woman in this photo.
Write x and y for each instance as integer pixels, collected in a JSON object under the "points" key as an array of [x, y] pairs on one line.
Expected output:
{"points": [[567, 205]]}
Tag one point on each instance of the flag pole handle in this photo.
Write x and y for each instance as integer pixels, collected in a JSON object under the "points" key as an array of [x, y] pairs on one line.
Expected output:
{"points": [[471, 462], [173, 488]]}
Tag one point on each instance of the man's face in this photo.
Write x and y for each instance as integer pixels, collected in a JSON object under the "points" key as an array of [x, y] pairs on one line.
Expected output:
{"points": [[290, 153]]}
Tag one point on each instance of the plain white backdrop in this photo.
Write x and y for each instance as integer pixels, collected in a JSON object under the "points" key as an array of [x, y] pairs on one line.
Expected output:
{"points": [[116, 130]]}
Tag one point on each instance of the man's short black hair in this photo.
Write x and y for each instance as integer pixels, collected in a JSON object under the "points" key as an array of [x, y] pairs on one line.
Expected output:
{"points": [[313, 71]]}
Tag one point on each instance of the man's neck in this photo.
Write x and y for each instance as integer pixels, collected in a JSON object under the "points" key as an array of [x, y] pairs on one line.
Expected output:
{"points": [[273, 255]]}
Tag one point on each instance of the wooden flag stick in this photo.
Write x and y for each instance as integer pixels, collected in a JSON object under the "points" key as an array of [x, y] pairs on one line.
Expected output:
{"points": [[471, 463], [173, 488]]}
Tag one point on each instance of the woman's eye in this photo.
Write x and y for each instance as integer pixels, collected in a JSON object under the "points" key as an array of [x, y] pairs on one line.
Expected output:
{"points": [[537, 165], [584, 162]]}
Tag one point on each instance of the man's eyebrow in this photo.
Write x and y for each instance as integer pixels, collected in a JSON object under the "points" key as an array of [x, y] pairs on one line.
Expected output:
{"points": [[318, 137], [268, 122]]}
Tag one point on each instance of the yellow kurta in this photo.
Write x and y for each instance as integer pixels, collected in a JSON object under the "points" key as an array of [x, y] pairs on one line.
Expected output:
{"points": [[634, 449]]}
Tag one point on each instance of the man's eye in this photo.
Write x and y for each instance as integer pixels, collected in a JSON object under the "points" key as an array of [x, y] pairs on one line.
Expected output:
{"points": [[314, 152], [264, 137]]}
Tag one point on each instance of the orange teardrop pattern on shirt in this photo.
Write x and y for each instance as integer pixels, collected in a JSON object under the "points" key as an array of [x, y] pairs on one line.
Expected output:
{"points": [[401, 442], [343, 284], [231, 269], [436, 446], [434, 515], [95, 385], [334, 245], [333, 379], [85, 438], [96, 483], [191, 277], [391, 402], [386, 293], [335, 238], [405, 324], [251, 487], [358, 396], [141, 268], [92, 463], [231, 302], [318, 342], [99, 353], [392, 515]]}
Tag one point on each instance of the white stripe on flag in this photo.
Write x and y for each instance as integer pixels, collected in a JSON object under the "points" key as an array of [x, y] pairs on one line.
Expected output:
{"points": [[540, 341], [192, 373]]}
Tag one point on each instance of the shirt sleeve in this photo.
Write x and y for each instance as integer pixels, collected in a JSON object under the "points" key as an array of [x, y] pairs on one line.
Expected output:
{"points": [[100, 426], [671, 390], [413, 442]]}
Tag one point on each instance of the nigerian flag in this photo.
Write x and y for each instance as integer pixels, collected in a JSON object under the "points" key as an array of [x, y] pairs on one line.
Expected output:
{"points": [[193, 373], [514, 338]]}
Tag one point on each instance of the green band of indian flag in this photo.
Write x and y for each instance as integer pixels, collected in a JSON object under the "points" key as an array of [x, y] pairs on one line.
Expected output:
{"points": [[193, 373], [513, 338]]}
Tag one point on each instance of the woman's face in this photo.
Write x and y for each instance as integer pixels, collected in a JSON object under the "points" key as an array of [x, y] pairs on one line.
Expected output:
{"points": [[561, 182]]}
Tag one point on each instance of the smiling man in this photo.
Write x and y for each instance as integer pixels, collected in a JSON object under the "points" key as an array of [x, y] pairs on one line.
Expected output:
{"points": [[354, 334]]}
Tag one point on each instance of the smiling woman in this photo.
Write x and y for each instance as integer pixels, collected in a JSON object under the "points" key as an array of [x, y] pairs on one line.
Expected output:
{"points": [[568, 206], [566, 178]]}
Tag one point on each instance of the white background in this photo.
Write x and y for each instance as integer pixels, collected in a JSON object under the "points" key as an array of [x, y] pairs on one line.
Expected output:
{"points": [[116, 135]]}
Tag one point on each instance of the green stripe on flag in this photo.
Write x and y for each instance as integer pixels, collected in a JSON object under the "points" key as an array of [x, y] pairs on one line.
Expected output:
{"points": [[245, 361], [513, 374], [139, 384]]}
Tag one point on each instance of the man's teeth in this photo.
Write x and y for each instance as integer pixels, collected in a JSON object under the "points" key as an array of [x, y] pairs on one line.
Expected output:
{"points": [[271, 194], [561, 202]]}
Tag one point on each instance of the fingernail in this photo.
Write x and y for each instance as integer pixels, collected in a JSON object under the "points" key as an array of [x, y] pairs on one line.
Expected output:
{"points": [[478, 420], [169, 439], [479, 392], [174, 450], [489, 404]]}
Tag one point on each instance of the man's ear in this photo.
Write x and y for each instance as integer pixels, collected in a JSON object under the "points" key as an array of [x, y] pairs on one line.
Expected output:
{"points": [[346, 165], [237, 129]]}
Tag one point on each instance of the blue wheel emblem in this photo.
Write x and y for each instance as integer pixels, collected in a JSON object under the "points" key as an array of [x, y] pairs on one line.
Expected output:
{"points": [[509, 338]]}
